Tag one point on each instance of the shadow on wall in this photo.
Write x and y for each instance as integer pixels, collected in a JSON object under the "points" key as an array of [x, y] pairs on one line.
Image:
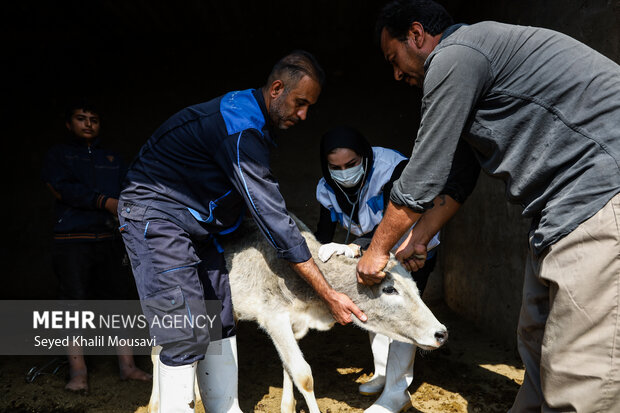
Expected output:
{"points": [[484, 250]]}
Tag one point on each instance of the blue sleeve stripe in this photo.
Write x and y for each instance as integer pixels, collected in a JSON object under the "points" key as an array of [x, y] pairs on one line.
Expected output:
{"points": [[197, 215], [245, 185], [225, 195], [146, 228]]}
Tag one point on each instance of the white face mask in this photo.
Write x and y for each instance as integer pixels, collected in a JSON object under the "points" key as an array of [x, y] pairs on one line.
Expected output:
{"points": [[348, 177]]}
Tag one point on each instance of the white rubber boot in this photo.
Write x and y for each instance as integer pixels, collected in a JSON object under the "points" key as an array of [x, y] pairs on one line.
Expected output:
{"points": [[217, 378], [398, 377], [380, 346], [176, 388]]}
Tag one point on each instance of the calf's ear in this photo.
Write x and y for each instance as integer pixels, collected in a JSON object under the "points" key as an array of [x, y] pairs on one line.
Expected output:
{"points": [[391, 264]]}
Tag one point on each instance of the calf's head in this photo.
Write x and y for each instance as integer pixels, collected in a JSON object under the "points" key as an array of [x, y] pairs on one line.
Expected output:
{"points": [[395, 309]]}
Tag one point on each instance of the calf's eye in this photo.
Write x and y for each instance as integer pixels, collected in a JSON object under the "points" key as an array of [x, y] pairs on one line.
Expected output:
{"points": [[390, 290]]}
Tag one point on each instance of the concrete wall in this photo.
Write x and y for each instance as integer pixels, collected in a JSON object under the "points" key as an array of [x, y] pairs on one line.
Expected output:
{"points": [[484, 246]]}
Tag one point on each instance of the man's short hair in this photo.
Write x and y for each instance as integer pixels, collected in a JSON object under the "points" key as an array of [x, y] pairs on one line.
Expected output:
{"points": [[397, 16], [295, 65], [78, 104]]}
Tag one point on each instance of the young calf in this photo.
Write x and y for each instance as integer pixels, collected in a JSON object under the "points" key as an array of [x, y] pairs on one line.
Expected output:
{"points": [[266, 290]]}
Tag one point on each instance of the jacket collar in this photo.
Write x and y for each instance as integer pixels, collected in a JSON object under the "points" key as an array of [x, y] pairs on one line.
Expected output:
{"points": [[451, 30], [268, 129], [80, 142]]}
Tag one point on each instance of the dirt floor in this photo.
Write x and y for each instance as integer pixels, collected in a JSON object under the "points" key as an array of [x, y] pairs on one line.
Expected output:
{"points": [[471, 373]]}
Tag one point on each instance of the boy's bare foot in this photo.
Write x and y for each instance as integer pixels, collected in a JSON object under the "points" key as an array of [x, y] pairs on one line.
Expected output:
{"points": [[78, 381]]}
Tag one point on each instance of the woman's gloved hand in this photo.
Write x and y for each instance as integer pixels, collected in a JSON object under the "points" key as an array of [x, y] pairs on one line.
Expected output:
{"points": [[327, 250]]}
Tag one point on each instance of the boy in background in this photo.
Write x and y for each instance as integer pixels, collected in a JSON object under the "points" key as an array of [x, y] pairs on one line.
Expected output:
{"points": [[85, 179]]}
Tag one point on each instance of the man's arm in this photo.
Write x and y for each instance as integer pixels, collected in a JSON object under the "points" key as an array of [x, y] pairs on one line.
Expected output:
{"points": [[339, 304], [245, 157], [461, 182], [396, 220], [456, 78], [245, 160], [412, 252]]}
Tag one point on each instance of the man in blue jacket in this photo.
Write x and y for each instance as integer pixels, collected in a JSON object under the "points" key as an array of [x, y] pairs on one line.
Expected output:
{"points": [[86, 180], [193, 180]]}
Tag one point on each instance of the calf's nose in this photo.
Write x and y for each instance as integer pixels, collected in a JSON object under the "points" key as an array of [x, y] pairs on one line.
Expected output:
{"points": [[441, 336]]}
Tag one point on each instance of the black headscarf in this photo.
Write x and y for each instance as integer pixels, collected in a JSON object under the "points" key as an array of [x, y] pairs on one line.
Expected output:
{"points": [[345, 137]]}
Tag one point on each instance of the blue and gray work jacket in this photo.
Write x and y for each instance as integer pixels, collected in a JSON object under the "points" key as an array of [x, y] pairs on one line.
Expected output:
{"points": [[205, 165]]}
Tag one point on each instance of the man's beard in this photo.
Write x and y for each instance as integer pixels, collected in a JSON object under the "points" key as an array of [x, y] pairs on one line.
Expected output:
{"points": [[278, 114]]}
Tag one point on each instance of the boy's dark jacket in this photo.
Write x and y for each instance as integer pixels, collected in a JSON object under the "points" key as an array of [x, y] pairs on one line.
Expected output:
{"points": [[84, 178]]}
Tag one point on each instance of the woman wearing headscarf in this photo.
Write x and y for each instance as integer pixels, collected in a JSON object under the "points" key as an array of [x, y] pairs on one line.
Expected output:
{"points": [[353, 193]]}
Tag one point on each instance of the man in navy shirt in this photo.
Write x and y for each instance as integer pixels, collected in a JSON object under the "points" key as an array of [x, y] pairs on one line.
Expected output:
{"points": [[192, 181]]}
